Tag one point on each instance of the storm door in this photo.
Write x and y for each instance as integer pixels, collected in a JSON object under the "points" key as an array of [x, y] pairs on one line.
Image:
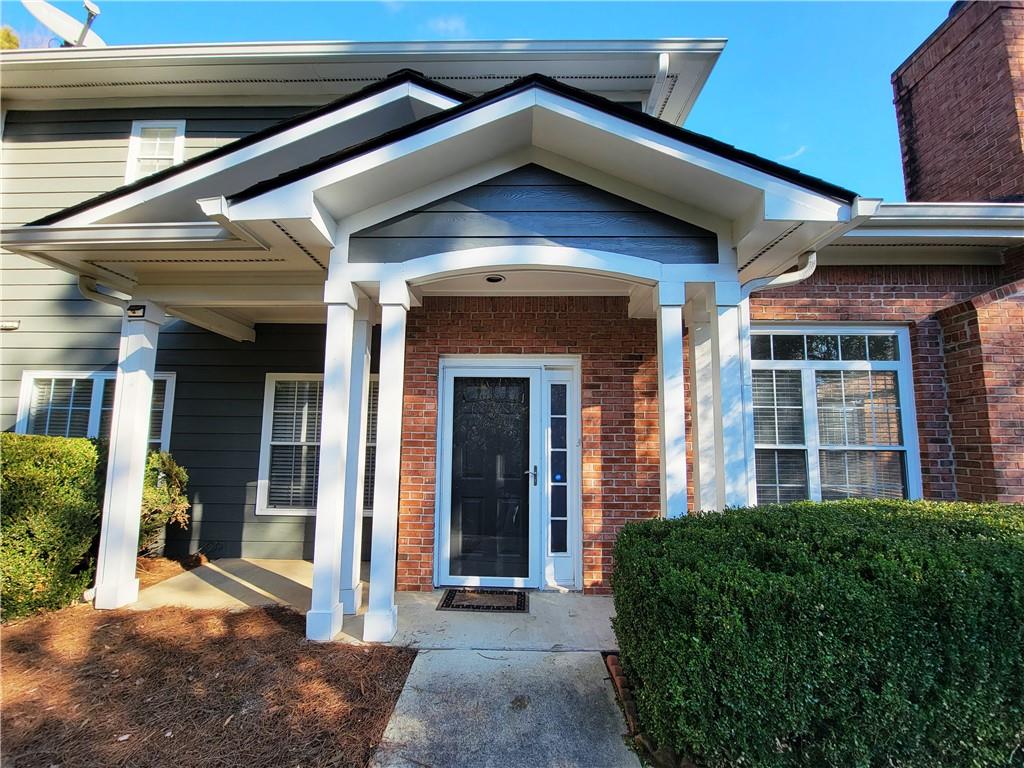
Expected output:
{"points": [[490, 444]]}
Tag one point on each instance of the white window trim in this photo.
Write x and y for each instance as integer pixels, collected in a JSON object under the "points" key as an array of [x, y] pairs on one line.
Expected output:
{"points": [[263, 476], [92, 431], [135, 142], [905, 386]]}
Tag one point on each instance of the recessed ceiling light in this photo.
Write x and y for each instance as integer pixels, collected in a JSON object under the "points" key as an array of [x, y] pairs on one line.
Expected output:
{"points": [[495, 278]]}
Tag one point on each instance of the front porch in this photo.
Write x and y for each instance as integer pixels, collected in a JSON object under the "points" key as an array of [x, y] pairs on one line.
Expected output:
{"points": [[556, 621]]}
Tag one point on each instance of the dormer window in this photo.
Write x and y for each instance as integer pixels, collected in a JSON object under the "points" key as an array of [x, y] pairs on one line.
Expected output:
{"points": [[154, 145]]}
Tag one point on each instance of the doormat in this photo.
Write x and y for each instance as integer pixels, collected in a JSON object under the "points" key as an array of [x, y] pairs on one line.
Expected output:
{"points": [[495, 600]]}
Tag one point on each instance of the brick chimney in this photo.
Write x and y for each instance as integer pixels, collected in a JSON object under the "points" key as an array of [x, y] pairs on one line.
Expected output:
{"points": [[960, 107]]}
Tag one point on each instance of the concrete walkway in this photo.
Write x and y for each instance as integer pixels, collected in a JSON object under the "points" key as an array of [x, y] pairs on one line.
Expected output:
{"points": [[486, 689], [504, 709]]}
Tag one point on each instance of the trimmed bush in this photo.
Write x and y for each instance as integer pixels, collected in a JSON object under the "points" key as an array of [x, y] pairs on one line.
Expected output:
{"points": [[839, 634], [50, 500], [163, 499]]}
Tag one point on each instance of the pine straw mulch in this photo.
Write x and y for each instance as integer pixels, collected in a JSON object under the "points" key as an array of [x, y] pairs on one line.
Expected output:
{"points": [[177, 687], [153, 570]]}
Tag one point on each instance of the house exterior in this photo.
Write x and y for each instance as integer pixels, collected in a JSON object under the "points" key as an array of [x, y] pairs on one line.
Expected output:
{"points": [[465, 309]]}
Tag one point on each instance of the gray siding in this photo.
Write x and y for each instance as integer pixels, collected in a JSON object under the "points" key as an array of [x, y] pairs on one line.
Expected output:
{"points": [[218, 412], [535, 206], [54, 159]]}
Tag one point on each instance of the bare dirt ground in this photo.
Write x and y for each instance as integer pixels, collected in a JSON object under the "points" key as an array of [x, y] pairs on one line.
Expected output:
{"points": [[176, 687]]}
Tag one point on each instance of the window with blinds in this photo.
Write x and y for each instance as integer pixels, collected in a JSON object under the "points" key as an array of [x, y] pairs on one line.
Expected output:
{"points": [[779, 436], [294, 444], [370, 467], [829, 415], [290, 448], [71, 404]]}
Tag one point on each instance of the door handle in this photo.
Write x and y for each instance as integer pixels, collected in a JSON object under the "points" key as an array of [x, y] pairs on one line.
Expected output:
{"points": [[533, 473]]}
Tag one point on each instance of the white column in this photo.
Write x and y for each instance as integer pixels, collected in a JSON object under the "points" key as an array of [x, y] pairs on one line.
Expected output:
{"points": [[730, 410], [323, 621], [702, 401], [351, 539], [671, 399], [381, 621], [116, 583], [748, 399]]}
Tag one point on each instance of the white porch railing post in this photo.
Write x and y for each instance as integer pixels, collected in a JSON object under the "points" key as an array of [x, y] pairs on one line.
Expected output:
{"points": [[351, 539], [381, 621], [702, 402], [730, 411], [671, 398], [116, 582]]}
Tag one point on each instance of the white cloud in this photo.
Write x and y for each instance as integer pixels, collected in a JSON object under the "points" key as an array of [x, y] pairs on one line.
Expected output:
{"points": [[449, 26], [793, 155], [393, 6]]}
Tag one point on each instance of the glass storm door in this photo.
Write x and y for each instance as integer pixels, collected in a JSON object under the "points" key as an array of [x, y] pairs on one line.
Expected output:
{"points": [[490, 536]]}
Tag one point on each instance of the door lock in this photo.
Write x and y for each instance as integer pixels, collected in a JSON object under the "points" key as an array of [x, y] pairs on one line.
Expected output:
{"points": [[533, 473]]}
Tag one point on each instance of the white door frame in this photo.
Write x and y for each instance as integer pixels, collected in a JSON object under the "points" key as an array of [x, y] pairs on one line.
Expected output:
{"points": [[542, 567]]}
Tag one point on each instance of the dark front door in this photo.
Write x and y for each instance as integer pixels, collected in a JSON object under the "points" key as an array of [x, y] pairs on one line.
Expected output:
{"points": [[490, 490]]}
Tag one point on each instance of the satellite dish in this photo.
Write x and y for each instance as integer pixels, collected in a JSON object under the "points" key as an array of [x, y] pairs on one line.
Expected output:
{"points": [[74, 33]]}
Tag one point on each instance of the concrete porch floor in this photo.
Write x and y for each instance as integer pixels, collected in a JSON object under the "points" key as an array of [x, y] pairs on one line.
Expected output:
{"points": [[555, 622]]}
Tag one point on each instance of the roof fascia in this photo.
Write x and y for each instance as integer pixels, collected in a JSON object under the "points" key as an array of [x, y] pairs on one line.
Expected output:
{"points": [[403, 84], [548, 91]]}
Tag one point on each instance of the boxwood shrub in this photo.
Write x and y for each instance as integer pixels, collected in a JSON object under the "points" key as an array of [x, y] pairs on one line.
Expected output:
{"points": [[853, 633], [50, 499]]}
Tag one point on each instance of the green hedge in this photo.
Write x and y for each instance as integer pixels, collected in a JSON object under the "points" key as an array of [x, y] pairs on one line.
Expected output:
{"points": [[49, 491], [843, 634]]}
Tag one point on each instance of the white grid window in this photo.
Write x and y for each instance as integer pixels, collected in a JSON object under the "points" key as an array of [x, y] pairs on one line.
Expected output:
{"points": [[154, 145], [80, 404], [558, 468], [833, 414]]}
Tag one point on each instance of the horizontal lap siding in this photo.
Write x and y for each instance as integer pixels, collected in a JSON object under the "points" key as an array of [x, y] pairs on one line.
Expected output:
{"points": [[535, 206], [53, 159], [218, 415]]}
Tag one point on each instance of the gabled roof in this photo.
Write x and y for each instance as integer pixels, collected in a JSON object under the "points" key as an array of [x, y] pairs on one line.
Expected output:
{"points": [[401, 77], [697, 140]]}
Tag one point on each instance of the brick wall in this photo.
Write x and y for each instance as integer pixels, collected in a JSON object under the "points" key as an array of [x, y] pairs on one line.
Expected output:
{"points": [[985, 375], [619, 398], [960, 107], [911, 295]]}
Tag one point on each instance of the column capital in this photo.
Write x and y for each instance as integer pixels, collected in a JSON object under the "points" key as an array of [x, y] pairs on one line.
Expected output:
{"points": [[396, 292], [670, 294], [728, 293], [342, 292]]}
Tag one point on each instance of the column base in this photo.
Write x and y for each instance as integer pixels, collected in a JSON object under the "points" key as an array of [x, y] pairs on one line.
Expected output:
{"points": [[115, 594], [323, 626], [352, 599], [380, 626]]}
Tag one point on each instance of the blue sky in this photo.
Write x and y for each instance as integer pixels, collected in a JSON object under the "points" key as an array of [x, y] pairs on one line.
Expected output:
{"points": [[803, 83]]}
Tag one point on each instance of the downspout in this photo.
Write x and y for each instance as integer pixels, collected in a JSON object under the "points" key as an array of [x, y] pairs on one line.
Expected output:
{"points": [[87, 287], [806, 264]]}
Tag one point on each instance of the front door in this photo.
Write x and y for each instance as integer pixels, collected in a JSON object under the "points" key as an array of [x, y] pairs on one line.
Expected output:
{"points": [[491, 455]]}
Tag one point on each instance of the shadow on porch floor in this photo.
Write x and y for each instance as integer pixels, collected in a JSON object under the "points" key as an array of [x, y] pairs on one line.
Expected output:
{"points": [[556, 621]]}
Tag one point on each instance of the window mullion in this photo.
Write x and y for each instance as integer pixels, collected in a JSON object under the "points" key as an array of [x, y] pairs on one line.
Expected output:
{"points": [[96, 406], [811, 438]]}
